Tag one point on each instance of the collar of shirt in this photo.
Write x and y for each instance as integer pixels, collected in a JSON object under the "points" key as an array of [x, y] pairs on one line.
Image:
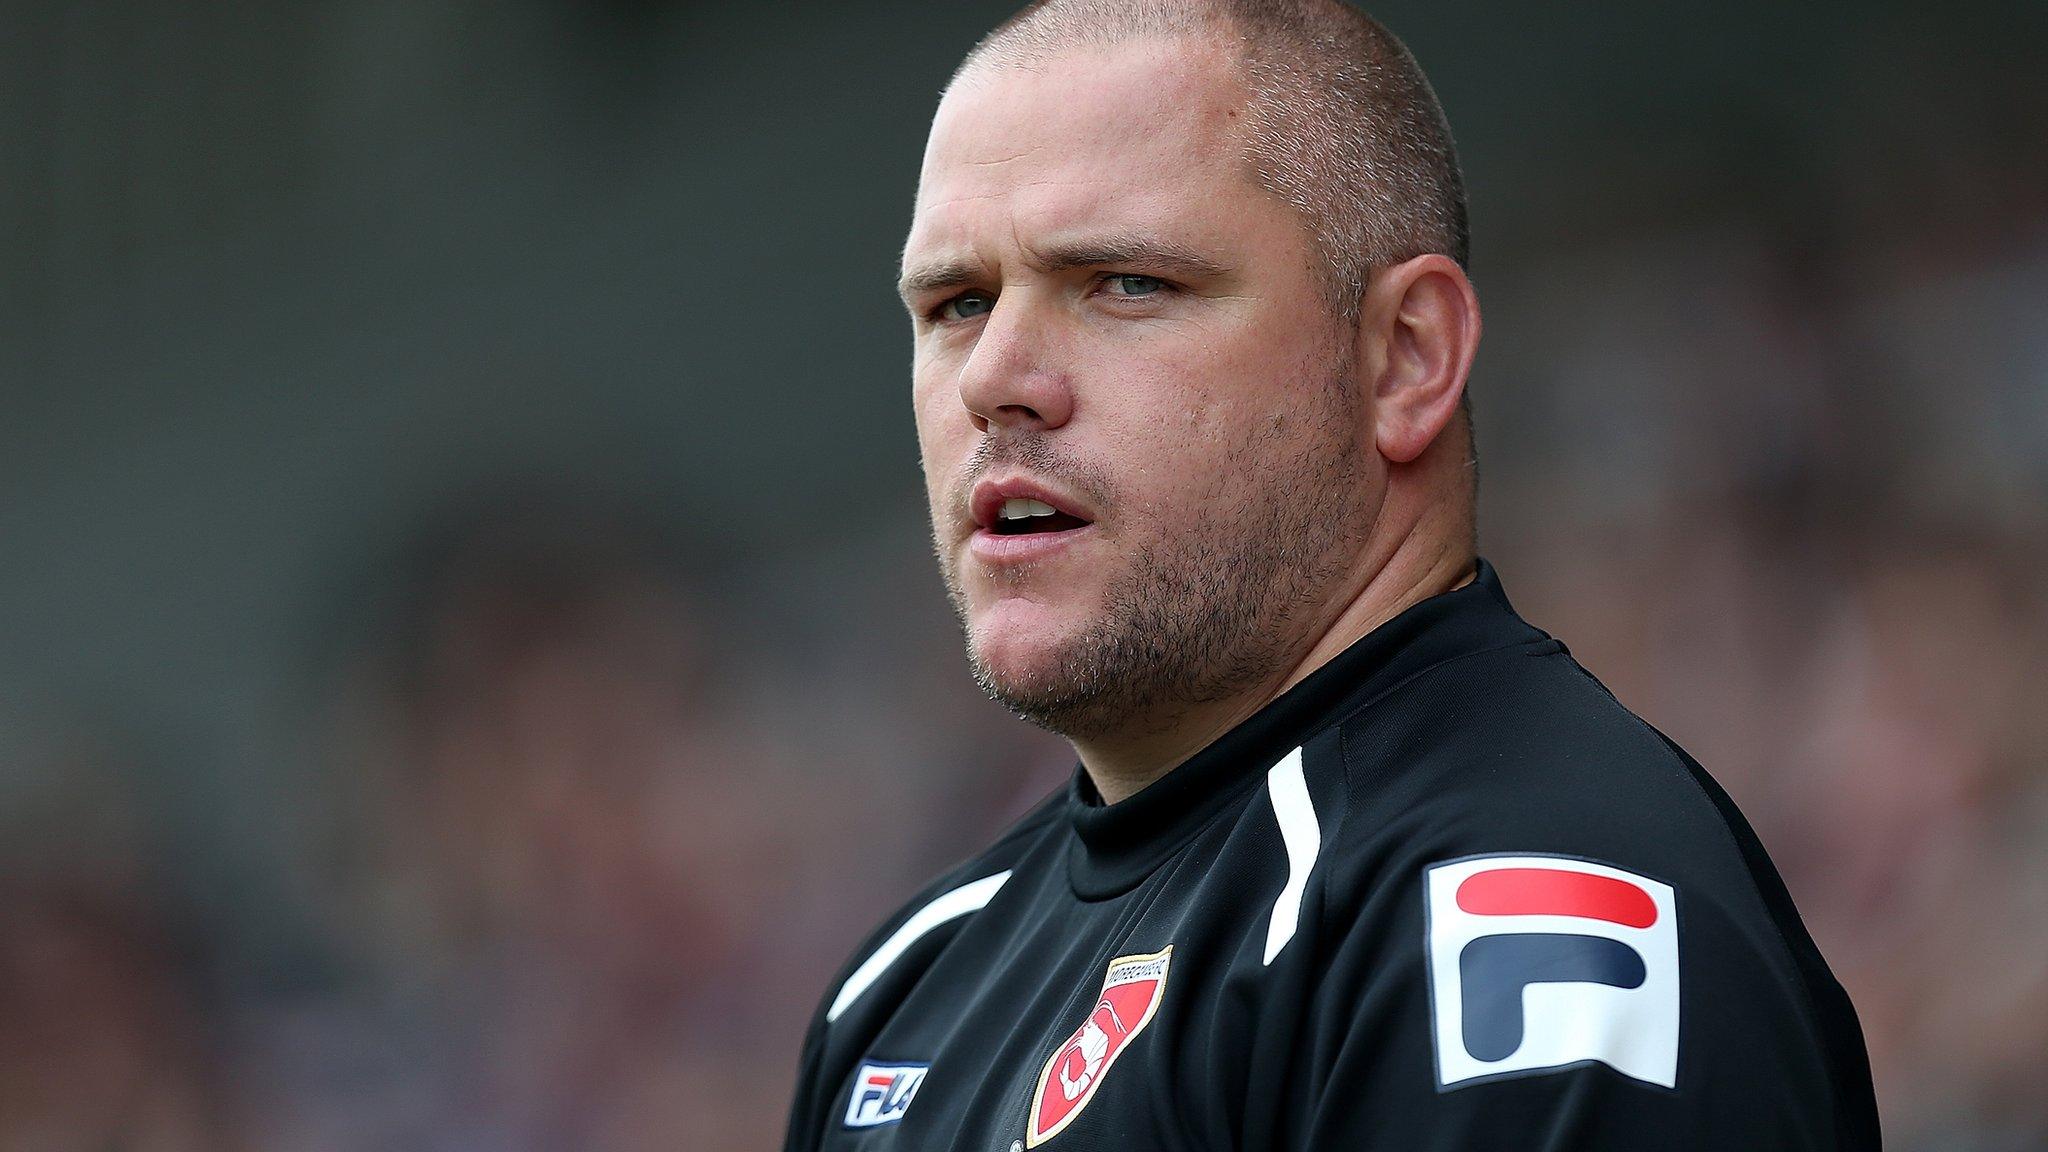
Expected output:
{"points": [[1116, 846]]}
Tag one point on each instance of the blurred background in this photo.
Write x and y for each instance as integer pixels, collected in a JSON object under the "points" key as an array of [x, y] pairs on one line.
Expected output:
{"points": [[470, 663]]}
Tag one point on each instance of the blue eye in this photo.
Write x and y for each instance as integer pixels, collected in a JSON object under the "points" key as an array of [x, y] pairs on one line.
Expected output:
{"points": [[1134, 285], [967, 306]]}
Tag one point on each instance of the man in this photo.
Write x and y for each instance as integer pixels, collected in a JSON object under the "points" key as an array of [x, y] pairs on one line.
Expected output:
{"points": [[1354, 857]]}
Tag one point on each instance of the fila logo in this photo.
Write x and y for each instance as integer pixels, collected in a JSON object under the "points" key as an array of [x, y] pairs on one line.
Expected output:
{"points": [[882, 1092], [1131, 992], [1537, 963]]}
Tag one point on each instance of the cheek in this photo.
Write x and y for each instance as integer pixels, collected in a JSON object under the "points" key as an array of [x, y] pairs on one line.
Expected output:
{"points": [[935, 395], [926, 411], [944, 435], [1175, 436]]}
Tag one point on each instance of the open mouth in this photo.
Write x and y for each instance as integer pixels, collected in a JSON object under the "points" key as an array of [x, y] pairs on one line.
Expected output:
{"points": [[1022, 517]]}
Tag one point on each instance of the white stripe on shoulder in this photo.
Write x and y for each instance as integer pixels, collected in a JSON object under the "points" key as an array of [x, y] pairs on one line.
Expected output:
{"points": [[951, 906], [1304, 839]]}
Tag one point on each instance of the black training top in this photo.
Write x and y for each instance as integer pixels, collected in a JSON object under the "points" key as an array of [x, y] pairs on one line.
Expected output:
{"points": [[1445, 893]]}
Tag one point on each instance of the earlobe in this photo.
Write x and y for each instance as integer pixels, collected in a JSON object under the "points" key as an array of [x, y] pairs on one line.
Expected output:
{"points": [[1427, 321]]}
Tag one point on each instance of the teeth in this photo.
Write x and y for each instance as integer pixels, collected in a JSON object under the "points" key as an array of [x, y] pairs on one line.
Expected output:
{"points": [[1020, 509]]}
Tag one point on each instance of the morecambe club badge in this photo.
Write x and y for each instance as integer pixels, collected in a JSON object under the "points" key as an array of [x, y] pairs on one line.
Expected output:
{"points": [[1131, 993]]}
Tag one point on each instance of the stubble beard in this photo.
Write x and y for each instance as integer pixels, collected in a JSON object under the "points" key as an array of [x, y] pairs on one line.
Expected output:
{"points": [[1211, 611]]}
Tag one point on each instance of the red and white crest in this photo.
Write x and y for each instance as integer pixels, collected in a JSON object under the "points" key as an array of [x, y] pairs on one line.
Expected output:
{"points": [[1131, 992]]}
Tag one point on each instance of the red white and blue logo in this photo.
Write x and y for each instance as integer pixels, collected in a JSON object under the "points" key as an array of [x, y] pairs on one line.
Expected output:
{"points": [[1537, 963], [882, 1092]]}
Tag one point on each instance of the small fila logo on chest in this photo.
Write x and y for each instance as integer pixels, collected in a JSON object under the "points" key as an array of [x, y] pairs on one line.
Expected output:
{"points": [[1130, 996], [882, 1092], [1537, 963]]}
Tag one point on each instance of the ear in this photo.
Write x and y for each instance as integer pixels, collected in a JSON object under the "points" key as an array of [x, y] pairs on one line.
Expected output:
{"points": [[1420, 327]]}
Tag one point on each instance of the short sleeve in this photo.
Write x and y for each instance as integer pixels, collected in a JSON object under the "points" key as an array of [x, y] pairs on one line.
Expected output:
{"points": [[1548, 1001]]}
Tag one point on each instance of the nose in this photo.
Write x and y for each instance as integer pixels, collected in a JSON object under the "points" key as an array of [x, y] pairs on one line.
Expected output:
{"points": [[1012, 379]]}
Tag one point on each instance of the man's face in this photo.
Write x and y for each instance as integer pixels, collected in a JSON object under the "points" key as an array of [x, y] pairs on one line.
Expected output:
{"points": [[1115, 321]]}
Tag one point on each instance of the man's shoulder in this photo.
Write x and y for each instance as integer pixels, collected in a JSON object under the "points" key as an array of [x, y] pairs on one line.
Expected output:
{"points": [[938, 905], [997, 859], [1513, 784], [1521, 751], [1507, 812]]}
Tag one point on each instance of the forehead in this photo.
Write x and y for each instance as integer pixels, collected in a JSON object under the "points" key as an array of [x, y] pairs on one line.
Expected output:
{"points": [[1145, 134]]}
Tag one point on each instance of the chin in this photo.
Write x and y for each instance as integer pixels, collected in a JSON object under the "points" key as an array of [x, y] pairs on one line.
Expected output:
{"points": [[1040, 666], [1018, 645]]}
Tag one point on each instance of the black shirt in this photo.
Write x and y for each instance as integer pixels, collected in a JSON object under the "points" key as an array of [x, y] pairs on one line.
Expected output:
{"points": [[1445, 893]]}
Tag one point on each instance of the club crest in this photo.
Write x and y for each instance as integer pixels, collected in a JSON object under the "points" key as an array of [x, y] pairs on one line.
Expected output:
{"points": [[1131, 992]]}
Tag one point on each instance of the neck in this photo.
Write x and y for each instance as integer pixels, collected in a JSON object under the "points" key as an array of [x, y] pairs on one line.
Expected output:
{"points": [[1388, 581]]}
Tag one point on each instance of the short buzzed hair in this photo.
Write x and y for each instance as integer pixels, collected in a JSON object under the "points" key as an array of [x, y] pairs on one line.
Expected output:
{"points": [[1343, 125]]}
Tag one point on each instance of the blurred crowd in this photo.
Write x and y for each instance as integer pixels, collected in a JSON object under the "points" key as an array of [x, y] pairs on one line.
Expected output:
{"points": [[585, 839]]}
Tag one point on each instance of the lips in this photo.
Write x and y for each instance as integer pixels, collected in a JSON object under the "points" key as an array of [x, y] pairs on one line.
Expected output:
{"points": [[1019, 520], [1021, 506]]}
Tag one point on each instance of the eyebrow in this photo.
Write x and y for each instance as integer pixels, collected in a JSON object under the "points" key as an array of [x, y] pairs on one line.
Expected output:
{"points": [[935, 275], [1149, 252]]}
